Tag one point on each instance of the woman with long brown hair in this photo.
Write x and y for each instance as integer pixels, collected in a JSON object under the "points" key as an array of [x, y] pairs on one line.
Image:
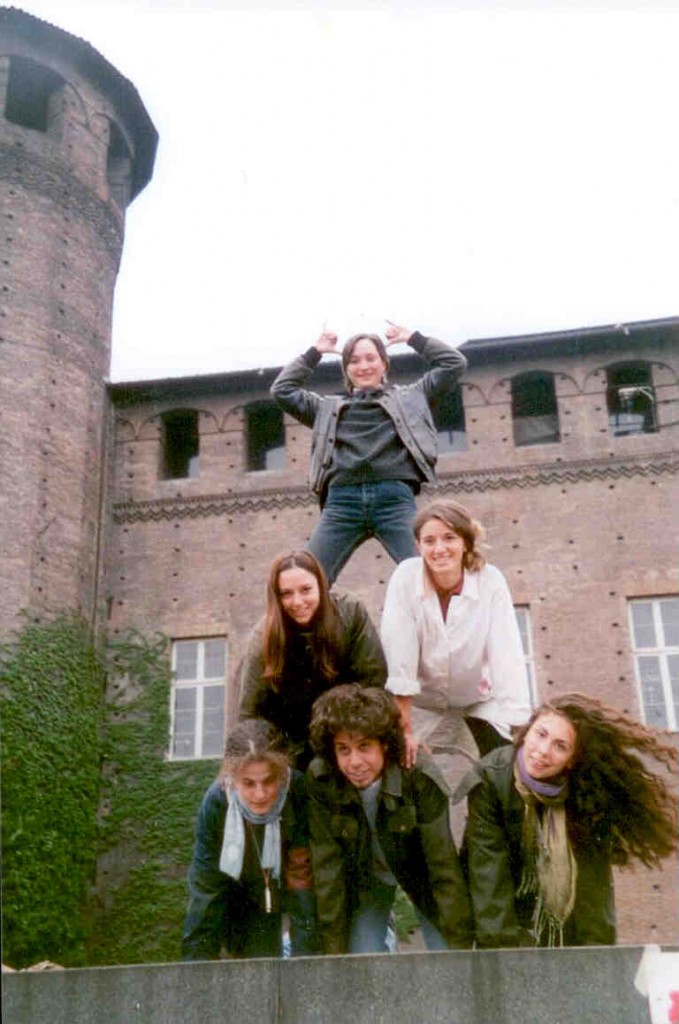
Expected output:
{"points": [[550, 816], [308, 641]]}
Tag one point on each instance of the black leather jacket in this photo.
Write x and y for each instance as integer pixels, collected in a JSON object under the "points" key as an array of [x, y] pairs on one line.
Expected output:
{"points": [[413, 828], [408, 406], [359, 660]]}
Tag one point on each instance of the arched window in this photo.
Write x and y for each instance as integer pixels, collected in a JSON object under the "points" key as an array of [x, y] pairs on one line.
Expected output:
{"points": [[535, 413], [29, 91], [448, 414], [181, 444], [265, 436], [631, 399]]}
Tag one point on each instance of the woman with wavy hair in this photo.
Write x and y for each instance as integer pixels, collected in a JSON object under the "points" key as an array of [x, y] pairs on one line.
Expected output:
{"points": [[451, 639], [550, 815], [308, 641]]}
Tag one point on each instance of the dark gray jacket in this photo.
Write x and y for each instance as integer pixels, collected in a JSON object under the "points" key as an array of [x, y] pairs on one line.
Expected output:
{"points": [[409, 407]]}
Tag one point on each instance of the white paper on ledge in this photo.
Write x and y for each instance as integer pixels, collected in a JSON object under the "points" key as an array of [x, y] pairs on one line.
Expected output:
{"points": [[658, 978]]}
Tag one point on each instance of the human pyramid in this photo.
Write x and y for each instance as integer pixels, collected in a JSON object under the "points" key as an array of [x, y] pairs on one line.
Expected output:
{"points": [[336, 784]]}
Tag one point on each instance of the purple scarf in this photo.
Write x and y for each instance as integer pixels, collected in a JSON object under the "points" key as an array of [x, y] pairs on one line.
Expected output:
{"points": [[547, 789]]}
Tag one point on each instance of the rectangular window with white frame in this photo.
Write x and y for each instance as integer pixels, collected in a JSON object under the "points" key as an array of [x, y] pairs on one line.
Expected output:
{"points": [[654, 625], [523, 621], [198, 695]]}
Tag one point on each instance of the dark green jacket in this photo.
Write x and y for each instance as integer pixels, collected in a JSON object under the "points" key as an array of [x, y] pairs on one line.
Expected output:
{"points": [[360, 660], [413, 829], [491, 853]]}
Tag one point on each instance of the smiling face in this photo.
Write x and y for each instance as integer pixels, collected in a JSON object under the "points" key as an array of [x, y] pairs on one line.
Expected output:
{"points": [[549, 746], [442, 549], [299, 594], [359, 758], [258, 784], [365, 367]]}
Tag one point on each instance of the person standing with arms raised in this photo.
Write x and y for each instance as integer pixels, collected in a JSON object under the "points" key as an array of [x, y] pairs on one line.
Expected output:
{"points": [[373, 446]]}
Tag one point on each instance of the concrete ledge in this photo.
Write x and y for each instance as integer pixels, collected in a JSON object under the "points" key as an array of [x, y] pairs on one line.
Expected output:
{"points": [[568, 986]]}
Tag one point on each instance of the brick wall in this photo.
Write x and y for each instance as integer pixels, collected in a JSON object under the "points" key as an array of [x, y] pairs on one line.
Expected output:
{"points": [[578, 527], [62, 235]]}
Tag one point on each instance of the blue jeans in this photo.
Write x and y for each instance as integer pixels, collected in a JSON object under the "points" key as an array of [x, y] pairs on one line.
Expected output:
{"points": [[368, 926], [433, 939], [369, 922], [354, 513]]}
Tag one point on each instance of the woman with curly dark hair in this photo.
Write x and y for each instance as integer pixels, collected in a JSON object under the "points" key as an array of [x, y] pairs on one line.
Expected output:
{"points": [[374, 825], [550, 815], [308, 641]]}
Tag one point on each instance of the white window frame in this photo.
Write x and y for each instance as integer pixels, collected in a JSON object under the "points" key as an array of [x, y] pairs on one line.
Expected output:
{"points": [[522, 611], [198, 684], [661, 651]]}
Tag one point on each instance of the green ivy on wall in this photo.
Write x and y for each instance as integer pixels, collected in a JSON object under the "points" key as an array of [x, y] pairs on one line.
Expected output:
{"points": [[51, 691], [86, 783], [148, 809]]}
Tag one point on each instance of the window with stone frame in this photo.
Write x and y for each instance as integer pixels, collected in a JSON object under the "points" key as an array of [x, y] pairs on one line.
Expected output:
{"points": [[631, 401], [198, 696], [522, 613], [535, 413], [448, 413], [181, 444], [654, 627], [265, 436]]}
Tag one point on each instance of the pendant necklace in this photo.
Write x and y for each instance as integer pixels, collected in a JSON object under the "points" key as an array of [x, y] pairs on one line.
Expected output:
{"points": [[266, 873]]}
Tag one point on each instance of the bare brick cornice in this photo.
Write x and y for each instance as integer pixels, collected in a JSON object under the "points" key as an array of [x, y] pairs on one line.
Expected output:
{"points": [[465, 482]]}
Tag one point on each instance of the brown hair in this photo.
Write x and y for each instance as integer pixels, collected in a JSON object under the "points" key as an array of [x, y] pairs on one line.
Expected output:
{"points": [[254, 740], [458, 518], [614, 801], [365, 711], [325, 626], [351, 344]]}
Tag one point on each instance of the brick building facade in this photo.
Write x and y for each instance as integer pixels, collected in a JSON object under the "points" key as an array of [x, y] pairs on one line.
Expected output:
{"points": [[563, 445]]}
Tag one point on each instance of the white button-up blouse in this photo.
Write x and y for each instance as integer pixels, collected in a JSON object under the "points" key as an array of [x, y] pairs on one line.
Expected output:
{"points": [[471, 663]]}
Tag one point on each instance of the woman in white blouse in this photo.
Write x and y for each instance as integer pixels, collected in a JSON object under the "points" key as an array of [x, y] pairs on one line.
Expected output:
{"points": [[451, 639]]}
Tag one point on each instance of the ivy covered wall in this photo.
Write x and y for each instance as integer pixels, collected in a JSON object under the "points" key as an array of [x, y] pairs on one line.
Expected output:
{"points": [[52, 686], [148, 809], [85, 782]]}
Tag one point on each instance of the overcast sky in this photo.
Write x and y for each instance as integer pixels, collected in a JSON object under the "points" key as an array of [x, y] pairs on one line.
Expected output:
{"points": [[472, 169]]}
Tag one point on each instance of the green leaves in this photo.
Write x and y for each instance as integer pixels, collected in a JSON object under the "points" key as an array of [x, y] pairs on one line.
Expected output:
{"points": [[86, 783], [51, 687]]}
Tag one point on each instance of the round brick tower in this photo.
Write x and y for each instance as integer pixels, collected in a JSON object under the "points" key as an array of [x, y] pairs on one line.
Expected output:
{"points": [[76, 146]]}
